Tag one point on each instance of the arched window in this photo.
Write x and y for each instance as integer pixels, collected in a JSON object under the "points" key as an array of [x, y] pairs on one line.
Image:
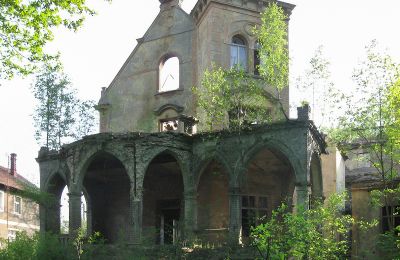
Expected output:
{"points": [[169, 74], [238, 52]]}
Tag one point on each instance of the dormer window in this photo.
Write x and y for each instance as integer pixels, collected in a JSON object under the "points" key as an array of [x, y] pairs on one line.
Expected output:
{"points": [[238, 52], [169, 74]]}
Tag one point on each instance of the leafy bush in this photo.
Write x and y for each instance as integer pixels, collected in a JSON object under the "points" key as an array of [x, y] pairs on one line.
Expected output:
{"points": [[318, 233]]}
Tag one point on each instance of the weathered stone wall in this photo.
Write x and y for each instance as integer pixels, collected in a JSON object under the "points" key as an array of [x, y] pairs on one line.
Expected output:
{"points": [[128, 169], [364, 242], [134, 95], [198, 40]]}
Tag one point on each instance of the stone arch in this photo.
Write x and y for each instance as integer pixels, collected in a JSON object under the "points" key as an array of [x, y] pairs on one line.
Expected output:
{"points": [[163, 187], [87, 160], [281, 148], [199, 168], [108, 185], [55, 186], [180, 159], [266, 179]]}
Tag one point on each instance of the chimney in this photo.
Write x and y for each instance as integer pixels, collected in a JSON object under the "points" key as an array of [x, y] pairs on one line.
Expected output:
{"points": [[13, 169], [303, 112]]}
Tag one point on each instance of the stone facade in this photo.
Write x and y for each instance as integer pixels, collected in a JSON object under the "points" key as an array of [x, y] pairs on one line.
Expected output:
{"points": [[134, 100], [142, 185]]}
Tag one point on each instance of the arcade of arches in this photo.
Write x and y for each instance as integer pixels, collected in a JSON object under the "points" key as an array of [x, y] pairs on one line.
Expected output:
{"points": [[161, 187]]}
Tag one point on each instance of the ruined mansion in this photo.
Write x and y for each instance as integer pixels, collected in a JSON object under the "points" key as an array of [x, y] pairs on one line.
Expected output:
{"points": [[152, 173]]}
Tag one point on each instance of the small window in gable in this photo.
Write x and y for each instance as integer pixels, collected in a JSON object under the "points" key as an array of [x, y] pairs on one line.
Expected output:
{"points": [[169, 74], [238, 53]]}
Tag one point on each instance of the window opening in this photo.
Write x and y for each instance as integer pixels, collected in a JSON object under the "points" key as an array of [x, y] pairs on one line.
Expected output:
{"points": [[254, 209], [167, 125], [238, 53], [17, 205], [393, 214], [257, 58], [169, 74]]}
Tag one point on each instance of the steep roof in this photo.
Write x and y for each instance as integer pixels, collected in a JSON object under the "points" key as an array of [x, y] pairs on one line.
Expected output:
{"points": [[15, 181]]}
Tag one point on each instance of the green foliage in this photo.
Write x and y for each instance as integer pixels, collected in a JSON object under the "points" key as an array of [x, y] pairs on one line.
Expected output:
{"points": [[388, 244], [231, 93], [272, 36], [35, 247], [317, 233], [27, 26], [59, 115], [369, 123]]}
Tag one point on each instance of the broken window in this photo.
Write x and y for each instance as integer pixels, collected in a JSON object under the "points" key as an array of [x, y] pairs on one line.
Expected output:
{"points": [[254, 209], [167, 125], [238, 52], [169, 74]]}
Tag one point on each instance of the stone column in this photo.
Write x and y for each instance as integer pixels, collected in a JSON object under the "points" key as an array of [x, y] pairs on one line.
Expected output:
{"points": [[302, 195], [234, 221], [74, 211], [136, 216], [189, 214]]}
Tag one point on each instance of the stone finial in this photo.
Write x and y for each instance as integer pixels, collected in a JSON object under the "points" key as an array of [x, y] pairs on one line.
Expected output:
{"points": [[303, 112]]}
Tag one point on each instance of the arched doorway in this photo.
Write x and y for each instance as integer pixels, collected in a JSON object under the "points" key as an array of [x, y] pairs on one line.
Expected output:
{"points": [[108, 186], [269, 181], [213, 203], [163, 200]]}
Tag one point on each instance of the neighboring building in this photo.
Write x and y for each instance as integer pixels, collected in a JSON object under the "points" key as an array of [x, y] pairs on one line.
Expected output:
{"points": [[17, 213], [142, 184], [361, 179]]}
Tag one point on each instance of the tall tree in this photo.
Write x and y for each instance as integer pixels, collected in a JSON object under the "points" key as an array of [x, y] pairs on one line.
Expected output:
{"points": [[59, 116], [26, 27]]}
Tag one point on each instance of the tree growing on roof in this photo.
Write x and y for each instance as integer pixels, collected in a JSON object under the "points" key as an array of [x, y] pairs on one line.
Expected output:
{"points": [[59, 116]]}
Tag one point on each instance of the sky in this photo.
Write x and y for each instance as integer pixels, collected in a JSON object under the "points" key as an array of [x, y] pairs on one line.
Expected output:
{"points": [[93, 55]]}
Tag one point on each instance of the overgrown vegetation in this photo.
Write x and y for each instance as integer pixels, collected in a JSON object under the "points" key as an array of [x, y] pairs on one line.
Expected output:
{"points": [[317, 233]]}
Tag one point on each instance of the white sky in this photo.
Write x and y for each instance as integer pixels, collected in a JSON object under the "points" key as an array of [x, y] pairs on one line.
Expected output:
{"points": [[93, 56]]}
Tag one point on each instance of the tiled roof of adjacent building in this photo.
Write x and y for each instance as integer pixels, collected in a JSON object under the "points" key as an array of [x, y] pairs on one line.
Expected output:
{"points": [[13, 181]]}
